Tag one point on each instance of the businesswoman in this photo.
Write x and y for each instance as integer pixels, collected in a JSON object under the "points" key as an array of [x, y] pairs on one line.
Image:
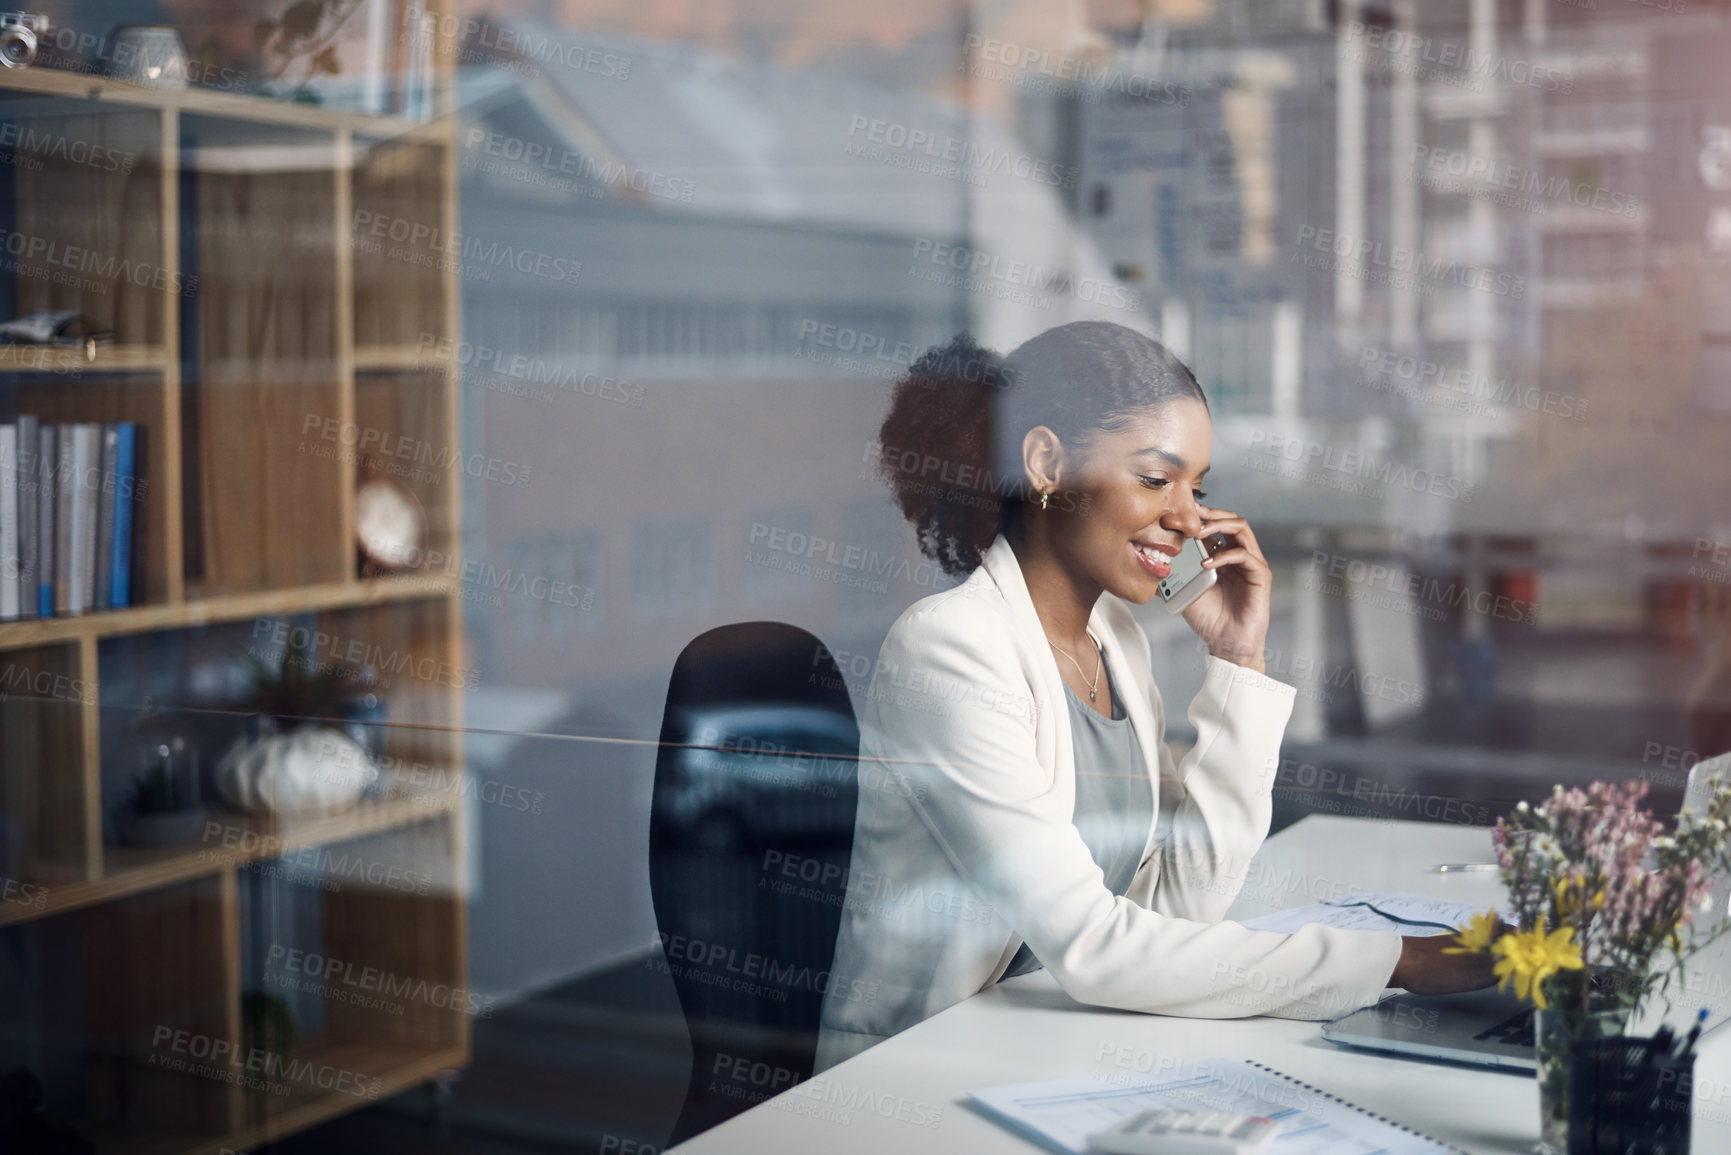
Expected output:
{"points": [[1018, 806]]}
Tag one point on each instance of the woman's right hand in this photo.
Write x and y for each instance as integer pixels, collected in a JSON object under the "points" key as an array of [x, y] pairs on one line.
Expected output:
{"points": [[1424, 969]]}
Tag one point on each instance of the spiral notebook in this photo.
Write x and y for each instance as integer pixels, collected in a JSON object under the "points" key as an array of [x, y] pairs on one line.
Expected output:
{"points": [[1061, 1114]]}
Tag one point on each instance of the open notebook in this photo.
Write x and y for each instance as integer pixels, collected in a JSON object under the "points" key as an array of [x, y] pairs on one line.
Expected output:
{"points": [[1061, 1114]]}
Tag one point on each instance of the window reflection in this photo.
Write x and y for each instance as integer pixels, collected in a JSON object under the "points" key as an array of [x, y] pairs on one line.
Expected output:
{"points": [[614, 296]]}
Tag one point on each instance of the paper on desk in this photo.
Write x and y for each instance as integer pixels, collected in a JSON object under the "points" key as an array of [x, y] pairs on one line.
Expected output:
{"points": [[1413, 914], [1061, 1114]]}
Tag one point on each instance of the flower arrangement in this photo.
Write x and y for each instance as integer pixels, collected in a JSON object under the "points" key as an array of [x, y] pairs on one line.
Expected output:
{"points": [[1602, 897], [1601, 894]]}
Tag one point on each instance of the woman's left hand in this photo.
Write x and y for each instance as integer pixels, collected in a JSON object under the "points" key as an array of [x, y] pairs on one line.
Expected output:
{"points": [[1232, 617]]}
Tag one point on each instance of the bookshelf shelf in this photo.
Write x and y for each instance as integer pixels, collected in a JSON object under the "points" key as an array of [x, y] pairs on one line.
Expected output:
{"points": [[62, 84], [254, 333], [239, 839], [397, 1067], [67, 360], [377, 358], [226, 608]]}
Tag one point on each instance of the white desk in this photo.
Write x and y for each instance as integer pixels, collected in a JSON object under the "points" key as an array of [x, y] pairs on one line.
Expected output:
{"points": [[890, 1097]]}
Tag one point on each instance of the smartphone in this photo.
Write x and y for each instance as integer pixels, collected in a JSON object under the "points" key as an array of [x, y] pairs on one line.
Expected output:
{"points": [[1188, 580]]}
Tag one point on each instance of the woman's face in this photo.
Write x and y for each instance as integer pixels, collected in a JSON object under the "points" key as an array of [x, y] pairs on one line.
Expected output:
{"points": [[1137, 492]]}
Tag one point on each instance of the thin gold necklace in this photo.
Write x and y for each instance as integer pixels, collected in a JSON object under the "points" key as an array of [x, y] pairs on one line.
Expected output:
{"points": [[1094, 686]]}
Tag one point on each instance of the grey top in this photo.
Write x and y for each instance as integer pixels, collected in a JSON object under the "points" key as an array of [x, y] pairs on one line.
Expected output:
{"points": [[1114, 797]]}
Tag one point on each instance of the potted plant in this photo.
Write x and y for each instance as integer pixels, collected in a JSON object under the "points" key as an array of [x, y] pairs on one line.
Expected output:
{"points": [[294, 756], [268, 1032], [1603, 898]]}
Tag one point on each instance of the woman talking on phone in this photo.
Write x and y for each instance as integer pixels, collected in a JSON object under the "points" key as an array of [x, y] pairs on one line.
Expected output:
{"points": [[1018, 807]]}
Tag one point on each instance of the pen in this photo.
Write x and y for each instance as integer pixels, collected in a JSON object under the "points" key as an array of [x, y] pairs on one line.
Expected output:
{"points": [[1458, 867], [1694, 1033]]}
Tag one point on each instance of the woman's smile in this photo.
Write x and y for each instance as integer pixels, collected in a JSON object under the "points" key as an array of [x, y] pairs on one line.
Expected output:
{"points": [[1156, 558]]}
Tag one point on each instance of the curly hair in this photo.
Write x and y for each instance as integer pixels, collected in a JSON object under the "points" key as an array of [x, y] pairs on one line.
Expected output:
{"points": [[951, 445]]}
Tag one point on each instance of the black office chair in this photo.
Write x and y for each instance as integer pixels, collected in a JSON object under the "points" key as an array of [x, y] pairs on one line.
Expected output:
{"points": [[751, 833]]}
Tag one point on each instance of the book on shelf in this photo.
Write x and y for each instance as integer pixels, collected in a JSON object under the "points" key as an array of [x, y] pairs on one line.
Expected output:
{"points": [[8, 522], [102, 556], [27, 514], [63, 519], [47, 440], [86, 459], [67, 520], [125, 493]]}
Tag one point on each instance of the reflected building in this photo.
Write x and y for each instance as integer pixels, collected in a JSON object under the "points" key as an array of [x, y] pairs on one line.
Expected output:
{"points": [[689, 283], [1441, 265]]}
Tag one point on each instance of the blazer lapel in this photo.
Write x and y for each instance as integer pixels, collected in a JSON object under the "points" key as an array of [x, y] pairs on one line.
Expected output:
{"points": [[999, 562]]}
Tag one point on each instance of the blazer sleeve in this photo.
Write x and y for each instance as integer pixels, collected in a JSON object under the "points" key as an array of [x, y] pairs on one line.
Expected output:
{"points": [[951, 713], [1215, 805]]}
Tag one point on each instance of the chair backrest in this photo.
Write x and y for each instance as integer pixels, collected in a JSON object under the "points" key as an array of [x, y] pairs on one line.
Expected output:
{"points": [[751, 836]]}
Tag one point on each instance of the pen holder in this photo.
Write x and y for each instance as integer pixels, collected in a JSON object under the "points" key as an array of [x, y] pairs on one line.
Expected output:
{"points": [[1628, 1096]]}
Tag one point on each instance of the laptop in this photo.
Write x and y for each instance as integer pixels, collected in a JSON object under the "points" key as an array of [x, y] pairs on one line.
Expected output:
{"points": [[1493, 1028]]}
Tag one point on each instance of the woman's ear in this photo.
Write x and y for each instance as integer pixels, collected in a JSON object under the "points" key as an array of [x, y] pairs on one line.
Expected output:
{"points": [[1042, 459]]}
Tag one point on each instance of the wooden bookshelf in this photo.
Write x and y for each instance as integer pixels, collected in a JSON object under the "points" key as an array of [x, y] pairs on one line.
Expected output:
{"points": [[264, 314]]}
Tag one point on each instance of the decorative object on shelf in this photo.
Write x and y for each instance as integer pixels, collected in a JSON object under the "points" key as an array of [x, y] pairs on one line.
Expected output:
{"points": [[21, 36], [55, 327], [164, 807], [319, 40], [295, 758], [308, 768], [390, 524], [23, 1126], [267, 1027], [1600, 930], [147, 54]]}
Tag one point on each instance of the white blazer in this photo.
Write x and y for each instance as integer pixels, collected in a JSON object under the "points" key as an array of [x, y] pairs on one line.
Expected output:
{"points": [[964, 844]]}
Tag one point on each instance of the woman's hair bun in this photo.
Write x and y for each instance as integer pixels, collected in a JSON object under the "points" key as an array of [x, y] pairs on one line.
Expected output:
{"points": [[936, 449]]}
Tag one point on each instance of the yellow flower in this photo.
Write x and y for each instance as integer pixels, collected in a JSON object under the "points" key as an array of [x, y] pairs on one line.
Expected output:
{"points": [[1476, 938], [1571, 895], [1527, 958]]}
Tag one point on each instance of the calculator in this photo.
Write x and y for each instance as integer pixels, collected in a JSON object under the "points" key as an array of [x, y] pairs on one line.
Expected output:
{"points": [[1170, 1132]]}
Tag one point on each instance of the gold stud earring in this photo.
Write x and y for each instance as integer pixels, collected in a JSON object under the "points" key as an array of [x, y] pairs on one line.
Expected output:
{"points": [[1044, 498]]}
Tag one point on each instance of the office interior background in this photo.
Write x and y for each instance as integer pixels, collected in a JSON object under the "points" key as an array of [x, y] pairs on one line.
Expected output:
{"points": [[425, 377]]}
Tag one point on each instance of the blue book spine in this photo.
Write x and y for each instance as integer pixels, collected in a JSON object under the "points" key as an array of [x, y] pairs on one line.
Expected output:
{"points": [[120, 558], [47, 445]]}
